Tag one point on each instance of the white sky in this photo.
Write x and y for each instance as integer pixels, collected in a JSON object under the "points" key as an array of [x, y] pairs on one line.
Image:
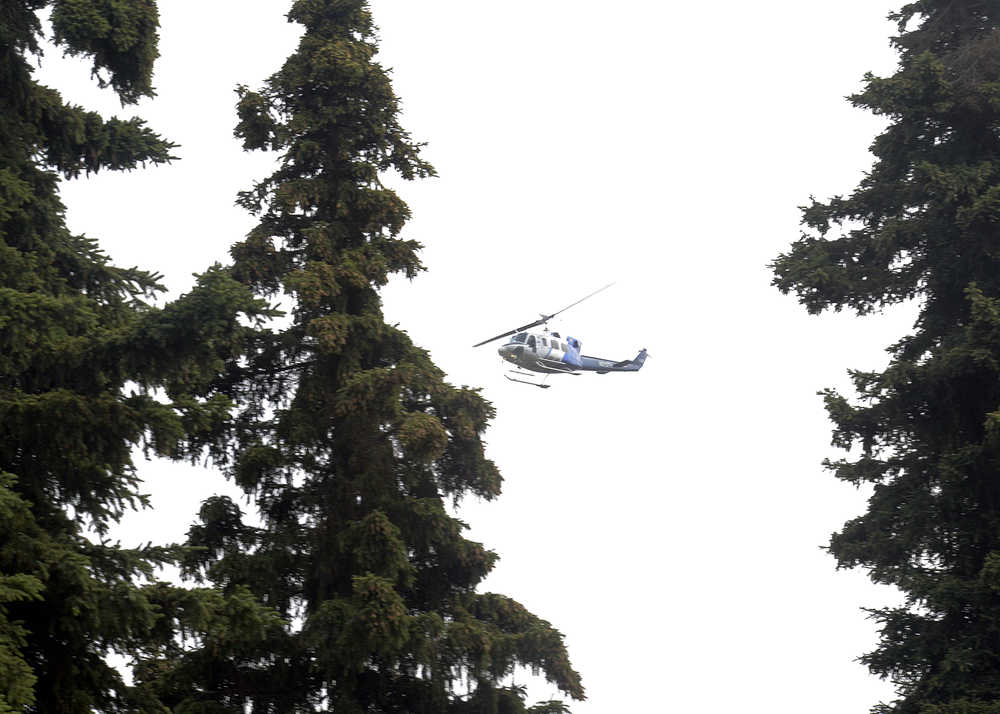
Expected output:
{"points": [[669, 522]]}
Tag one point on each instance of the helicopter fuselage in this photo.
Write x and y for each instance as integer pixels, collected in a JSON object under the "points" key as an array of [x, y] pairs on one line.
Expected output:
{"points": [[550, 353]]}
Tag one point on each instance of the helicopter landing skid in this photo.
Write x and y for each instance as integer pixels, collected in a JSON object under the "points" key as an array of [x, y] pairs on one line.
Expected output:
{"points": [[524, 381], [540, 385]]}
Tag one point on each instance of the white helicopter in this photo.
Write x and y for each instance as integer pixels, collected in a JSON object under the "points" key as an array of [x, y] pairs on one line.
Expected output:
{"points": [[549, 353]]}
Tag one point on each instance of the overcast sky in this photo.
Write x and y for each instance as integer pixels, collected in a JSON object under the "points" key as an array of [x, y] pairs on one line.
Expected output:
{"points": [[668, 522]]}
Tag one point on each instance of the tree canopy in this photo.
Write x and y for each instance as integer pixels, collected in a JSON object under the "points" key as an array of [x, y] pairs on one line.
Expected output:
{"points": [[348, 437], [923, 225], [89, 371], [353, 589]]}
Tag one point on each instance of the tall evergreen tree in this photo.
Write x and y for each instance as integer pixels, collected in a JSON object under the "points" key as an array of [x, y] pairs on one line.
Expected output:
{"points": [[924, 224], [349, 439], [88, 371]]}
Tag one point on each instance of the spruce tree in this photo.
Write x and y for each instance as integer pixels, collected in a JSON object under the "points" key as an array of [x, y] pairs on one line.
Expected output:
{"points": [[924, 225], [349, 439], [89, 370]]}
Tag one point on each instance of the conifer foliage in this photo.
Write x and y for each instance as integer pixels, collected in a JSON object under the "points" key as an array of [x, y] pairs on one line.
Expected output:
{"points": [[88, 371], [348, 437], [924, 224]]}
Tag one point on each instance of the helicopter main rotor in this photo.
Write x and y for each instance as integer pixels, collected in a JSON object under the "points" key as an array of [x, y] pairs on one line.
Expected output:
{"points": [[544, 318]]}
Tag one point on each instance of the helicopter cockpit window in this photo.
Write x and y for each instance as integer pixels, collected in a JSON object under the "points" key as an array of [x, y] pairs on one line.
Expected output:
{"points": [[545, 342], [519, 337], [531, 341], [563, 346]]}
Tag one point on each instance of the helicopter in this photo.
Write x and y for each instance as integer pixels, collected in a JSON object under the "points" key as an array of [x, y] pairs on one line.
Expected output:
{"points": [[550, 353]]}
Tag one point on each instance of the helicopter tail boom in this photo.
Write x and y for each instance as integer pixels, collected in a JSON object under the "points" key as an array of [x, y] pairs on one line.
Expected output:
{"points": [[603, 366]]}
